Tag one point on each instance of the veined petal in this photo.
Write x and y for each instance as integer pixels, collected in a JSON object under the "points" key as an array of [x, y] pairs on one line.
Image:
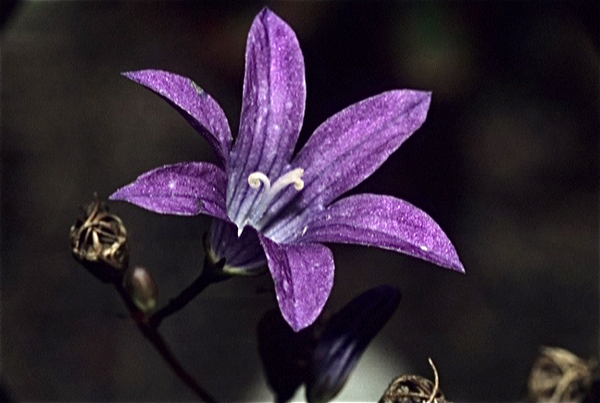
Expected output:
{"points": [[187, 188], [385, 222], [349, 147], [272, 108], [353, 143], [243, 253], [303, 277], [284, 353], [196, 106], [345, 338]]}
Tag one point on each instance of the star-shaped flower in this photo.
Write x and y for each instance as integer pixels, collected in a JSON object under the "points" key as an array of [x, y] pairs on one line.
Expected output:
{"points": [[270, 207]]}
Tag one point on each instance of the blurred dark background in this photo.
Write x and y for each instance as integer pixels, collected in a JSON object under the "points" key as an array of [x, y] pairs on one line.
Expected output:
{"points": [[507, 163]]}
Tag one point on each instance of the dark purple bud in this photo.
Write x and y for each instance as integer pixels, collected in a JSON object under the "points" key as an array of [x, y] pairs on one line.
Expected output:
{"points": [[284, 353], [99, 243], [345, 338]]}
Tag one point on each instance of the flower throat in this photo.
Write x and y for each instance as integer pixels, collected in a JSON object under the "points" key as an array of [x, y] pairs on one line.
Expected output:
{"points": [[269, 192]]}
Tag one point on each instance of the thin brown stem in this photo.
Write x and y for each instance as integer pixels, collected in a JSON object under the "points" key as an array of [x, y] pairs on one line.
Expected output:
{"points": [[151, 333], [99, 243]]}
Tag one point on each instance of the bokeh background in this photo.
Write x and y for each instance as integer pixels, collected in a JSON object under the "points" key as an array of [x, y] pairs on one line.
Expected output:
{"points": [[507, 163]]}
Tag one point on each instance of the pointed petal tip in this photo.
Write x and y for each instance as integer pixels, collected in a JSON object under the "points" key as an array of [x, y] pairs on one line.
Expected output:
{"points": [[119, 194], [458, 266], [452, 260], [418, 97], [453, 263], [266, 12], [296, 326], [428, 95], [267, 16], [423, 96], [303, 277], [138, 75], [447, 260], [131, 74]]}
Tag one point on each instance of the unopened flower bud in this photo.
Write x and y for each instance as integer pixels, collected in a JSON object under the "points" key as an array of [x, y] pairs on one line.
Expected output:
{"points": [[99, 243], [142, 288], [346, 336]]}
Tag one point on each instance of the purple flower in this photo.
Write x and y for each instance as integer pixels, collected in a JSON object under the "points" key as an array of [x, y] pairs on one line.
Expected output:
{"points": [[271, 208]]}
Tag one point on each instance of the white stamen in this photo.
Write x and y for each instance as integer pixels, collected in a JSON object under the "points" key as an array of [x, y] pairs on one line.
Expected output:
{"points": [[256, 178], [269, 192], [293, 177], [424, 248]]}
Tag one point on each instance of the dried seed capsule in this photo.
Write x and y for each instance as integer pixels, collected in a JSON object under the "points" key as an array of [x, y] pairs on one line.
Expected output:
{"points": [[99, 243], [559, 376], [414, 389], [142, 288]]}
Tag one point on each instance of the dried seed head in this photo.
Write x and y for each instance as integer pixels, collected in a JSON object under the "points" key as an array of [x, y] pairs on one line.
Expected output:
{"points": [[414, 389], [560, 376], [99, 243], [142, 288]]}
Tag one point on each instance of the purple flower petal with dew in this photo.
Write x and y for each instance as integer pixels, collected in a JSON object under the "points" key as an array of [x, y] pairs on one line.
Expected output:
{"points": [[271, 208]]}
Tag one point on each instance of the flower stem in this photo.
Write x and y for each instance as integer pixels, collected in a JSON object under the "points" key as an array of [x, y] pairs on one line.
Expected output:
{"points": [[151, 333], [99, 243], [177, 303]]}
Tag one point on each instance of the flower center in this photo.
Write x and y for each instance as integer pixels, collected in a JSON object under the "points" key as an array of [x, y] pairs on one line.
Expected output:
{"points": [[269, 192]]}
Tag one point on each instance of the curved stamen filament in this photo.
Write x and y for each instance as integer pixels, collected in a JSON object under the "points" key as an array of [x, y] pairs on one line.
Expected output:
{"points": [[269, 192], [256, 178], [293, 177]]}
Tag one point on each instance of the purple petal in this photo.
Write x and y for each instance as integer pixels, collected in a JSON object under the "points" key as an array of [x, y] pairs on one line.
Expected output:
{"points": [[345, 338], [349, 147], [272, 108], [243, 253], [284, 354], [386, 222], [196, 106], [187, 188], [303, 277]]}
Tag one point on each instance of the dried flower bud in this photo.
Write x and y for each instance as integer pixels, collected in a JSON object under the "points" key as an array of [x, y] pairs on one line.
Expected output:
{"points": [[99, 243], [414, 389], [559, 376], [142, 288]]}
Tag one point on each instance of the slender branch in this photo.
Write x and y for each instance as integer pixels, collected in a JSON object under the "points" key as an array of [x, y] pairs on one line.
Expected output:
{"points": [[175, 304], [211, 273], [152, 334], [99, 243]]}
